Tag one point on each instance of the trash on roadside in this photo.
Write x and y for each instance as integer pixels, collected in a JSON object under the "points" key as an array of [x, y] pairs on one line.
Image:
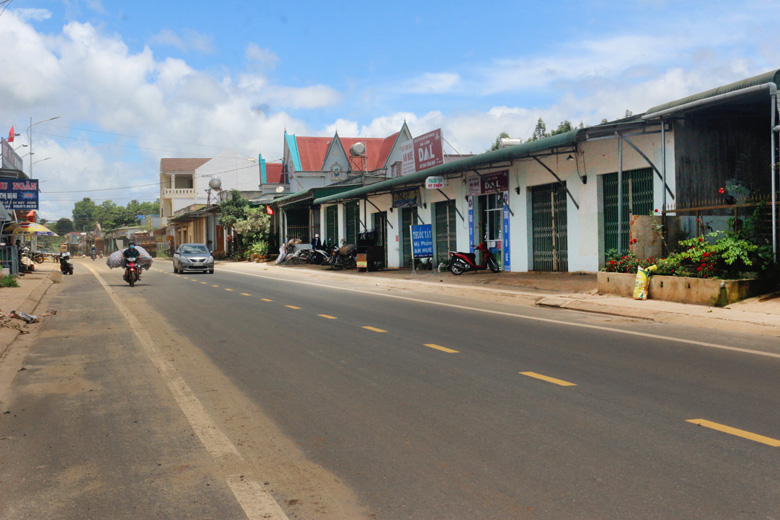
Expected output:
{"points": [[30, 318], [642, 281]]}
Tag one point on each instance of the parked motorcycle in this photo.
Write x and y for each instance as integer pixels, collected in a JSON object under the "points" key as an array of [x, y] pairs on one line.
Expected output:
{"points": [[132, 272], [319, 256], [66, 264], [344, 257], [462, 262]]}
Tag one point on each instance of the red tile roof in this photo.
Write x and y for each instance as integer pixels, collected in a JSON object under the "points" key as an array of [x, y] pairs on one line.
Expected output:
{"points": [[273, 173], [377, 150], [181, 165], [311, 151]]}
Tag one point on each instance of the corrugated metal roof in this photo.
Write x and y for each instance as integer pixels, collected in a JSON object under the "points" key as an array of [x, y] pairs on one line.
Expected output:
{"points": [[324, 191], [761, 79], [470, 163], [171, 165]]}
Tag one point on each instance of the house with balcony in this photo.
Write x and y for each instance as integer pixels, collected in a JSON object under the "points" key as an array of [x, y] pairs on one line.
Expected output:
{"points": [[186, 196]]}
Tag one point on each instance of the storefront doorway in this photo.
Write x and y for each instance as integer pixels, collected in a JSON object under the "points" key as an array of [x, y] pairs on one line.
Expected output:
{"points": [[408, 219], [549, 233]]}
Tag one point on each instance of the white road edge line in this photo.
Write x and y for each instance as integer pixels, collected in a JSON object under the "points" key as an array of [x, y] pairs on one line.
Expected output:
{"points": [[256, 502], [520, 316]]}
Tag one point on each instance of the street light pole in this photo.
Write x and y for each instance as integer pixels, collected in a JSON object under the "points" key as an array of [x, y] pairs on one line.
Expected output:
{"points": [[29, 137]]}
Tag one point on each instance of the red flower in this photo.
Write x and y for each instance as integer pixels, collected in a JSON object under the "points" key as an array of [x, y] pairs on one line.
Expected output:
{"points": [[655, 210], [698, 268], [705, 254], [701, 239], [721, 191]]}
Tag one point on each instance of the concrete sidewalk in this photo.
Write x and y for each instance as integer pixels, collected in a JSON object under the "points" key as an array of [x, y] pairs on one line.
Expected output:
{"points": [[25, 298]]}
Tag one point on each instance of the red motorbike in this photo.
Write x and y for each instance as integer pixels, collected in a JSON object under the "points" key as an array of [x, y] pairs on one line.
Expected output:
{"points": [[462, 262], [131, 272]]}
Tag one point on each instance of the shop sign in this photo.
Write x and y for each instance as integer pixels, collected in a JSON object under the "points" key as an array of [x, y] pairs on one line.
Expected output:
{"points": [[494, 182], [19, 194], [405, 198], [435, 182], [422, 241], [422, 152]]}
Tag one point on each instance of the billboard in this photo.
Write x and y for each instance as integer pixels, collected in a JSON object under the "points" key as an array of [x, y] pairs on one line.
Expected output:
{"points": [[19, 194], [422, 152], [11, 159]]}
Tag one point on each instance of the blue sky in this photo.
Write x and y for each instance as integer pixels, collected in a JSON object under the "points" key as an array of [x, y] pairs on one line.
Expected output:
{"points": [[133, 82]]}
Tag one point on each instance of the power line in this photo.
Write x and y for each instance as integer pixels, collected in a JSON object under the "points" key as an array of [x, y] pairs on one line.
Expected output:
{"points": [[152, 183]]}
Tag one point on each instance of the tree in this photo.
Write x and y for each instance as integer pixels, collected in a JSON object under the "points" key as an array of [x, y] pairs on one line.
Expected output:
{"points": [[254, 227], [563, 126], [63, 226], [84, 214], [540, 131], [497, 144]]}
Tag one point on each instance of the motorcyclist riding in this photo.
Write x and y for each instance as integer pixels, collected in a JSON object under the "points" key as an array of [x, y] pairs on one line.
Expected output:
{"points": [[132, 254]]}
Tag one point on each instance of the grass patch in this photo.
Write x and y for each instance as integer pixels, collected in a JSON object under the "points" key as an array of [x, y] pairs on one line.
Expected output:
{"points": [[8, 281]]}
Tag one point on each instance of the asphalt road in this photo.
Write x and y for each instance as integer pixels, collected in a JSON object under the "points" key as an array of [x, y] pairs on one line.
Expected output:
{"points": [[424, 403]]}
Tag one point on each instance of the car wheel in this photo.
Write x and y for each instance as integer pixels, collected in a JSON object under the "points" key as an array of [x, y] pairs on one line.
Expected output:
{"points": [[211, 271], [175, 271]]}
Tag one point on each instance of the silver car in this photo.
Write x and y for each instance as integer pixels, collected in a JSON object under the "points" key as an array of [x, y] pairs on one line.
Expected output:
{"points": [[193, 257]]}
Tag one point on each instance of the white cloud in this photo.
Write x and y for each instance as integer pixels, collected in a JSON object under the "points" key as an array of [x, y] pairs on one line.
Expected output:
{"points": [[34, 15], [431, 83], [262, 57], [188, 40]]}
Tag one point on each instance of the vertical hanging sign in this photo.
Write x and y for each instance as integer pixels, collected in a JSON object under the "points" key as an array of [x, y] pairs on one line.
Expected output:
{"points": [[471, 220], [507, 263]]}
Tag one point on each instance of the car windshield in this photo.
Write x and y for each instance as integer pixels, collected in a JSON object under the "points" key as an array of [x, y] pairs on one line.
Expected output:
{"points": [[194, 249]]}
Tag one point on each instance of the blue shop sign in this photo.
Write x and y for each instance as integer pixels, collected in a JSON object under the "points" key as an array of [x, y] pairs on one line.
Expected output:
{"points": [[19, 193], [422, 241]]}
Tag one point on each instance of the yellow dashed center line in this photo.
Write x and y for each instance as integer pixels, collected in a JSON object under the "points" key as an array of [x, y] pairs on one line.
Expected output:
{"points": [[204, 283], [327, 316], [292, 307], [245, 294], [374, 329], [734, 431], [215, 285], [230, 290], [266, 300], [443, 349], [548, 379]]}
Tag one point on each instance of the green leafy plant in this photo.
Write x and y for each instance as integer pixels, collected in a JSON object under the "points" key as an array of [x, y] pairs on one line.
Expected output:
{"points": [[8, 281]]}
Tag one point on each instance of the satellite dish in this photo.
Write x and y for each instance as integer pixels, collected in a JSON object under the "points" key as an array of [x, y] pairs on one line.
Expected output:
{"points": [[215, 184], [357, 150], [279, 189]]}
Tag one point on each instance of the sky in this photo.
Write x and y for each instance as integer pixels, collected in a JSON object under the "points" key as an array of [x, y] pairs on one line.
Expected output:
{"points": [[132, 82]]}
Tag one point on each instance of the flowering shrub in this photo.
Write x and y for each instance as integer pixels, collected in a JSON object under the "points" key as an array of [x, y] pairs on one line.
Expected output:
{"points": [[713, 255]]}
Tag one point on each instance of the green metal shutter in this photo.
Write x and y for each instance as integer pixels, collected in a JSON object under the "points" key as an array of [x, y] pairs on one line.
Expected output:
{"points": [[637, 200], [353, 222], [408, 218], [549, 228], [445, 229], [332, 224]]}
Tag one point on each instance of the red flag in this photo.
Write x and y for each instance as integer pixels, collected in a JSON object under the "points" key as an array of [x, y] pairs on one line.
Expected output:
{"points": [[268, 210], [11, 135]]}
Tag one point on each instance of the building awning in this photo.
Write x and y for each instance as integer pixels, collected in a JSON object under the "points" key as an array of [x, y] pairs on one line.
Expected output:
{"points": [[715, 94], [484, 160], [311, 194]]}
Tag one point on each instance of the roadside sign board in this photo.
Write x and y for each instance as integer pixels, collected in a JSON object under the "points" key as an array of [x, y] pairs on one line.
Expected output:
{"points": [[19, 194], [435, 182], [422, 241], [422, 152]]}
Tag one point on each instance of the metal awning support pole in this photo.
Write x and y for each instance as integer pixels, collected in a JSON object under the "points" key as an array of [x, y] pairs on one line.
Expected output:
{"points": [[663, 166], [563, 184], [456, 206], [774, 176], [620, 196], [660, 175], [380, 211]]}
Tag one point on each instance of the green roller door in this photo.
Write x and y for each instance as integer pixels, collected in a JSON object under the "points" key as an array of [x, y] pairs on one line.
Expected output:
{"points": [[548, 223], [637, 200]]}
